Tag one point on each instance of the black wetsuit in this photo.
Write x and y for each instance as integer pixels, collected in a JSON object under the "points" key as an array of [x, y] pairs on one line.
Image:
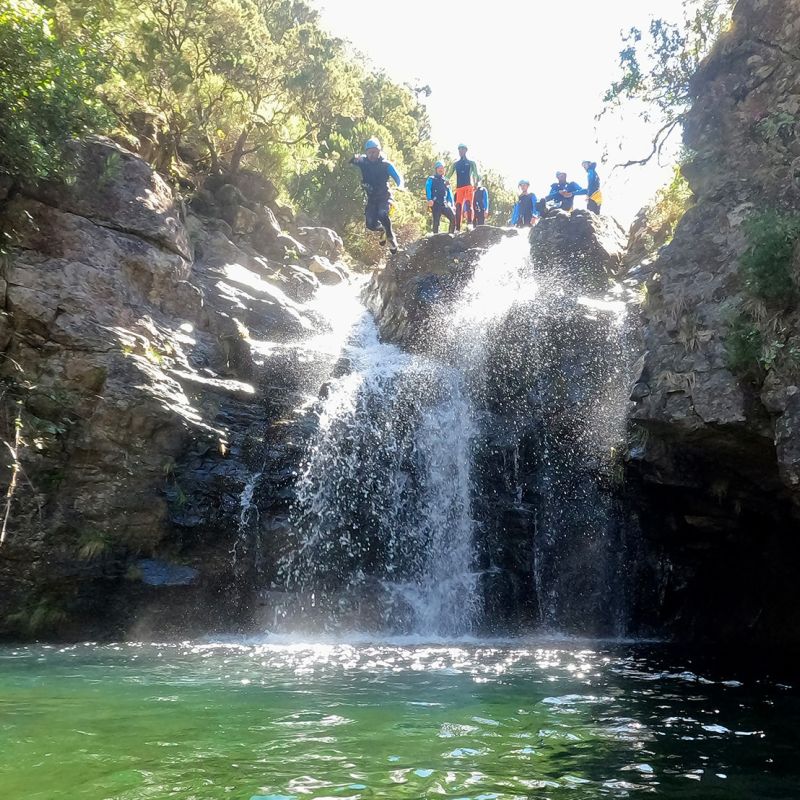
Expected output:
{"points": [[439, 193], [375, 177], [480, 203]]}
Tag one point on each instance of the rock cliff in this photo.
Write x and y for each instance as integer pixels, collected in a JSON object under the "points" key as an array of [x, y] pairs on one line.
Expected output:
{"points": [[716, 397], [147, 365]]}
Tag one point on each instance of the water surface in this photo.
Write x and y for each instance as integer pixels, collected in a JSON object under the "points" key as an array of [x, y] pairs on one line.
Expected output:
{"points": [[493, 721]]}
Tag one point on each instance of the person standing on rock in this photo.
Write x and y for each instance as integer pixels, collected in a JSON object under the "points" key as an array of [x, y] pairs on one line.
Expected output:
{"points": [[480, 203], [467, 178], [375, 174], [562, 194], [594, 197], [440, 198], [525, 212]]}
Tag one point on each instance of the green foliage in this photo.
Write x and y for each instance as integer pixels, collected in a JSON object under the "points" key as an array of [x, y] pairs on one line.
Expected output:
{"points": [[41, 614], [656, 66], [778, 125], [668, 207], [93, 544], [214, 86], [501, 199], [744, 344], [766, 264], [47, 90]]}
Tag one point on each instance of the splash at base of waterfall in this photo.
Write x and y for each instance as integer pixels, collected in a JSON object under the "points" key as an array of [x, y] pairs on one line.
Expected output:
{"points": [[398, 524]]}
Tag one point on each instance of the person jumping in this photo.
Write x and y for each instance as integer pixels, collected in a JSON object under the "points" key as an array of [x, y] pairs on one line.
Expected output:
{"points": [[375, 175], [466, 178], [440, 198]]}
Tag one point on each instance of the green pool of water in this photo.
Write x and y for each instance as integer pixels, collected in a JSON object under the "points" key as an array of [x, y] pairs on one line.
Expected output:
{"points": [[201, 721]]}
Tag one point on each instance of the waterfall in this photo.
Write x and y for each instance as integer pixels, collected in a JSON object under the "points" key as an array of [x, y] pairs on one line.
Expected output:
{"points": [[397, 523]]}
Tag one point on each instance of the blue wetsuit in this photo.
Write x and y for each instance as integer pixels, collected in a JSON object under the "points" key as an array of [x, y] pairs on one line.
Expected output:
{"points": [[524, 210], [480, 205], [594, 197], [564, 203], [437, 189]]}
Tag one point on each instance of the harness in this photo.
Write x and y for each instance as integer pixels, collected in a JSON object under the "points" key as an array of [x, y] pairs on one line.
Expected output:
{"points": [[375, 177]]}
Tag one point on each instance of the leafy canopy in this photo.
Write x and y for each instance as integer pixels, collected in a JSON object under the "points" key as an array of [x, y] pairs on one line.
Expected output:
{"points": [[656, 67], [47, 90]]}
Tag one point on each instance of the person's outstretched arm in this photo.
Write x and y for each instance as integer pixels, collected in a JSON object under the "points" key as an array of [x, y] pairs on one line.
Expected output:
{"points": [[473, 169], [395, 176]]}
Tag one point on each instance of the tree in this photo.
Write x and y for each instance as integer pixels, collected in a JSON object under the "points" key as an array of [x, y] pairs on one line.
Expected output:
{"points": [[657, 67], [47, 91]]}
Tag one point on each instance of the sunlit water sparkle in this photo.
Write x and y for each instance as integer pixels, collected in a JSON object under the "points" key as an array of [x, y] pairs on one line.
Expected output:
{"points": [[481, 721]]}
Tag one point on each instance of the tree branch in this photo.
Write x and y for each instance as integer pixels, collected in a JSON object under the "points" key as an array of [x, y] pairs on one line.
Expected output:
{"points": [[662, 134]]}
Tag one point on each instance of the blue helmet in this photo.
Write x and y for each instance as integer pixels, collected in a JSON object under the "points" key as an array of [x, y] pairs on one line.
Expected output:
{"points": [[462, 146], [438, 164], [372, 143], [524, 182]]}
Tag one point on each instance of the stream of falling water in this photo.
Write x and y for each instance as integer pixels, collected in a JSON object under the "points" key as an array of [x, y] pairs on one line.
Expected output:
{"points": [[385, 498]]}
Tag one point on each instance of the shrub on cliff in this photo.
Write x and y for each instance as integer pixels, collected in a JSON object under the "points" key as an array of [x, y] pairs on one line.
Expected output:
{"points": [[767, 263], [47, 91]]}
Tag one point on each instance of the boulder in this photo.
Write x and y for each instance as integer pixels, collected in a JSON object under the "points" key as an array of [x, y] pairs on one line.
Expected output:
{"points": [[404, 295], [255, 187], [588, 248], [322, 241], [108, 189], [244, 220], [325, 272]]}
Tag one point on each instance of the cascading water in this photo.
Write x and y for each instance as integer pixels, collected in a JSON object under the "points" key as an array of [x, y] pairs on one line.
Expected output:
{"points": [[393, 507]]}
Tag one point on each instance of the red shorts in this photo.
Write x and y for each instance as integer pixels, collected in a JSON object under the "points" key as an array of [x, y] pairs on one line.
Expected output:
{"points": [[465, 194]]}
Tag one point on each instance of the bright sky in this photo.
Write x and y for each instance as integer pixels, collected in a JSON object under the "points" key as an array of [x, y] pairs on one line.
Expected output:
{"points": [[520, 83]]}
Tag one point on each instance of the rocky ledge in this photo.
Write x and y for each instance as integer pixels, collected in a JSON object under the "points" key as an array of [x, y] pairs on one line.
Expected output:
{"points": [[146, 371]]}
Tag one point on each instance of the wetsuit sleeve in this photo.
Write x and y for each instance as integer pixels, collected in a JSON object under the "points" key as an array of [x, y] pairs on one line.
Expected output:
{"points": [[449, 197], [395, 176], [553, 193], [450, 170], [486, 198], [474, 171], [577, 190], [535, 203], [515, 214], [428, 185]]}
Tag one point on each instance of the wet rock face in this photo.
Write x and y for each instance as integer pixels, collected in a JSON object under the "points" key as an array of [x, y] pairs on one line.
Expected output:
{"points": [[415, 284], [714, 450], [587, 249], [540, 378], [142, 358]]}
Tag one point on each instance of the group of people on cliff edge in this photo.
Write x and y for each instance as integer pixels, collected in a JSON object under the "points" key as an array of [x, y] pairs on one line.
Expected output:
{"points": [[528, 210], [471, 199]]}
